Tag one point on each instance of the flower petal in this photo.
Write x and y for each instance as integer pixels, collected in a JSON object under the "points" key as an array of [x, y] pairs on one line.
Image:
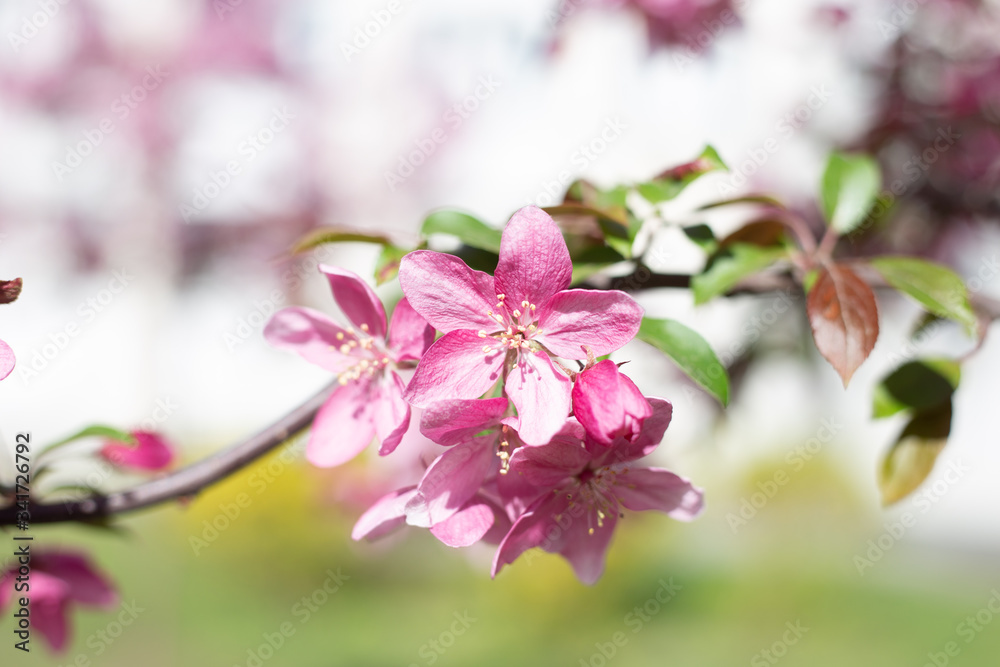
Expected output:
{"points": [[50, 615], [534, 261], [602, 321], [650, 435], [358, 301], [454, 421], [409, 334], [541, 394], [656, 489], [537, 527], [7, 360], [451, 480], [151, 452], [466, 526], [391, 413], [343, 426], [586, 545], [455, 366], [310, 334], [608, 404], [548, 466], [85, 584], [446, 292], [385, 516]]}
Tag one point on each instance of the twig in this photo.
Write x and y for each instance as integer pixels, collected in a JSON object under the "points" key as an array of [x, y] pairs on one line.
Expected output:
{"points": [[183, 483]]}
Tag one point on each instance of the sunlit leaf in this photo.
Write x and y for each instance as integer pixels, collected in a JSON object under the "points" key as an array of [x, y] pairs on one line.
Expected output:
{"points": [[471, 231], [725, 271], [690, 352], [323, 235], [388, 263], [672, 182], [850, 185], [938, 289]]}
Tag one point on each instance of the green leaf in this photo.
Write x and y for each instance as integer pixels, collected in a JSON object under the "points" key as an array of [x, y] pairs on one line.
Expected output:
{"points": [[765, 200], [471, 231], [911, 459], [726, 270], [672, 182], [388, 263], [850, 185], [938, 289], [917, 385], [702, 236], [322, 235], [690, 352]]}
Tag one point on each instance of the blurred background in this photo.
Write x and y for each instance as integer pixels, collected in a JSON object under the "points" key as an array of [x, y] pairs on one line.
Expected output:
{"points": [[160, 158]]}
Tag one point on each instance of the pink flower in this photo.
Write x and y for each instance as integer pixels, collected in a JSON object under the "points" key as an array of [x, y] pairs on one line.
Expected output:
{"points": [[370, 398], [7, 360], [583, 489], [150, 452], [9, 291], [57, 581], [510, 326], [608, 404]]}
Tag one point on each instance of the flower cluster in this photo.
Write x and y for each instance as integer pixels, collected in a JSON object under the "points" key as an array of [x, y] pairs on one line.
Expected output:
{"points": [[535, 454]]}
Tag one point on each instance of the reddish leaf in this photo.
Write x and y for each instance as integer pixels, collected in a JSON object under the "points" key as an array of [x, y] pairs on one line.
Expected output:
{"points": [[763, 233], [10, 290], [844, 318]]}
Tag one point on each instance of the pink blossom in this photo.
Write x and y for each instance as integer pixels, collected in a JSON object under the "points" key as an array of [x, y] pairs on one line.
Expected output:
{"points": [[608, 404], [58, 580], [7, 360], [583, 489], [149, 452], [9, 291], [509, 327], [369, 400]]}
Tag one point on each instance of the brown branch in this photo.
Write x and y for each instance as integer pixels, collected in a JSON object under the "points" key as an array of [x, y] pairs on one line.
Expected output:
{"points": [[183, 483]]}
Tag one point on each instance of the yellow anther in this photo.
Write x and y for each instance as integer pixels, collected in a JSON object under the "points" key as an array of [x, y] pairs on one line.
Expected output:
{"points": [[487, 348], [340, 335], [525, 304], [345, 348], [501, 296], [482, 334], [517, 313], [364, 327]]}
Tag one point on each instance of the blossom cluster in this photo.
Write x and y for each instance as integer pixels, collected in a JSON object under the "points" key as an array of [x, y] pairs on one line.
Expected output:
{"points": [[535, 454]]}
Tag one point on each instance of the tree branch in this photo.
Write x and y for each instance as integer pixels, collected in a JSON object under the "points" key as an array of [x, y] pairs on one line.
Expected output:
{"points": [[183, 483], [189, 481]]}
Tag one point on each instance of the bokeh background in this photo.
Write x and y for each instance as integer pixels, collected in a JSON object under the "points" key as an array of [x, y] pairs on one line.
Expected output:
{"points": [[120, 124]]}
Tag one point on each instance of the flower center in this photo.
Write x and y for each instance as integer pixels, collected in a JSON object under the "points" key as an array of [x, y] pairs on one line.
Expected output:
{"points": [[372, 359], [518, 327], [595, 491]]}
